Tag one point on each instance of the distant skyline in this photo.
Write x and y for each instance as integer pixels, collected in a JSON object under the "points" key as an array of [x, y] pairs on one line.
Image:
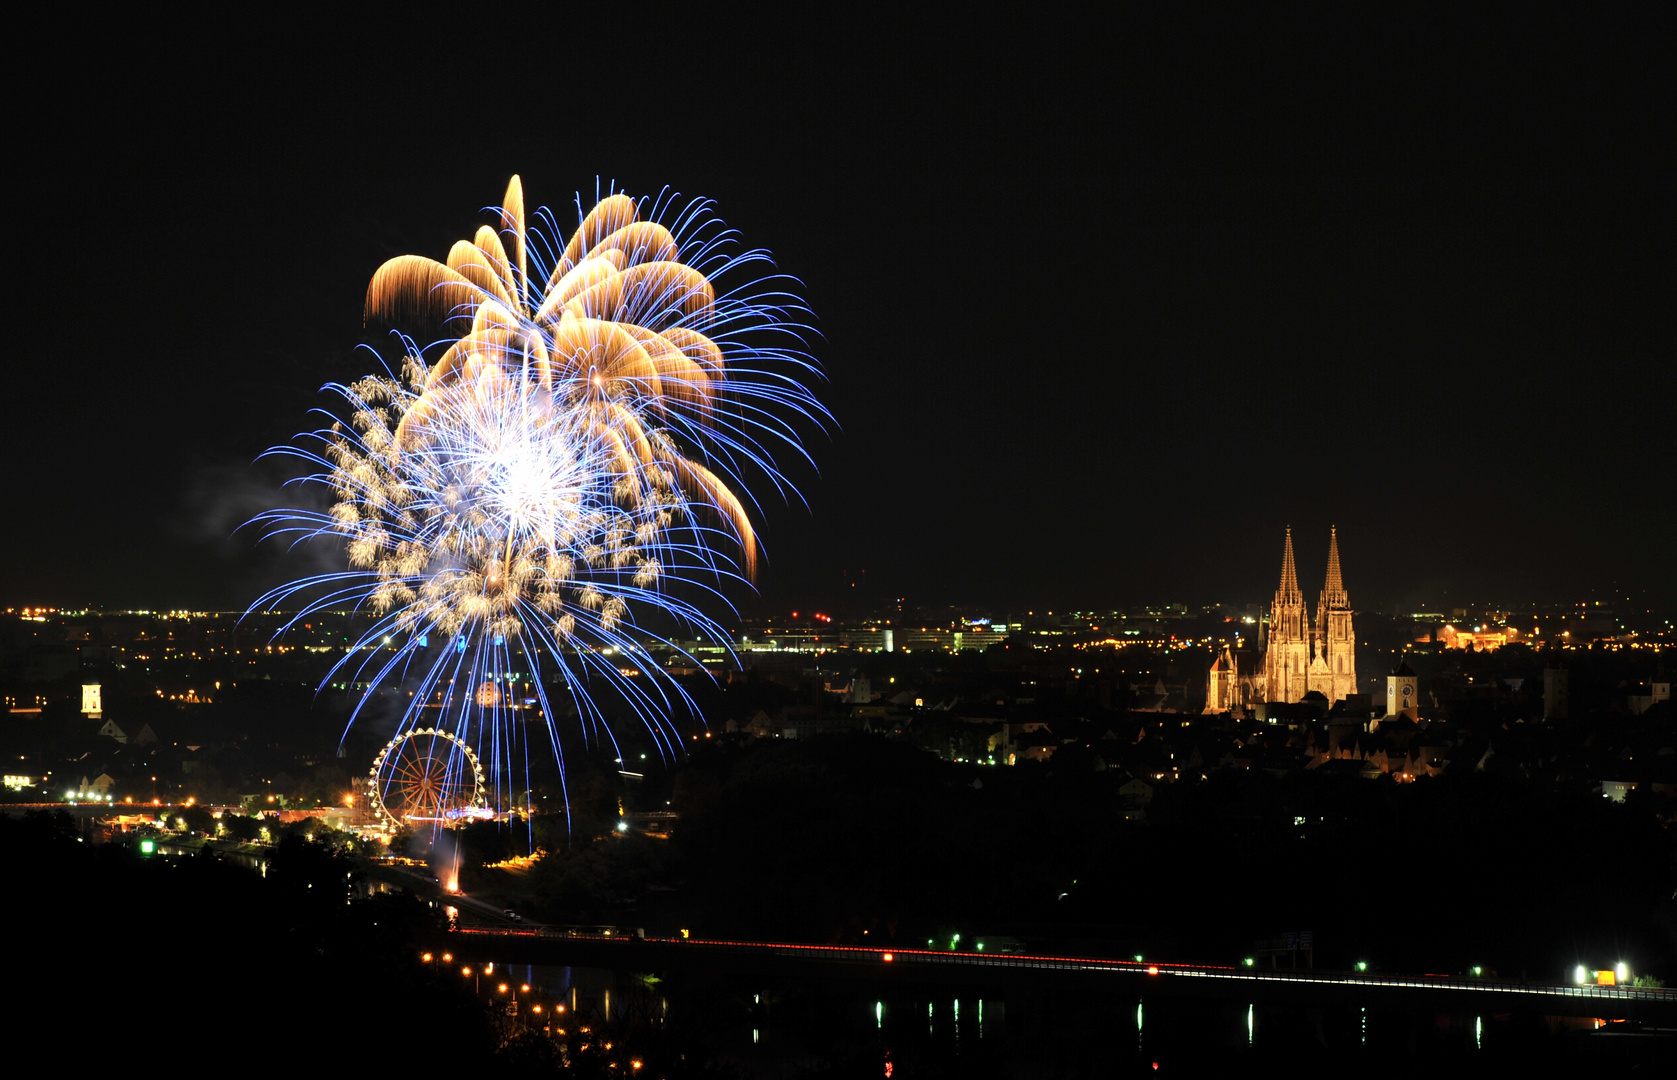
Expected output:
{"points": [[1105, 306]]}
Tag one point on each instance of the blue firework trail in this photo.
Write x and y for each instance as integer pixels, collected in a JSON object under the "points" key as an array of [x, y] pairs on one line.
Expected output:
{"points": [[523, 499]]}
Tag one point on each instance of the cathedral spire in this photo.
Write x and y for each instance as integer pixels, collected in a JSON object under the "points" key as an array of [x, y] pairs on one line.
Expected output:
{"points": [[1335, 583], [1289, 572]]}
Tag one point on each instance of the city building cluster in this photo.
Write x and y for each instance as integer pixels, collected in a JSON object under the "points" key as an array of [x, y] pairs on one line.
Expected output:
{"points": [[165, 706]]}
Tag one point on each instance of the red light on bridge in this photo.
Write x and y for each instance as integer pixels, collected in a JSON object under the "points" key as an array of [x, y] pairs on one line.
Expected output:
{"points": [[1153, 970], [889, 957]]}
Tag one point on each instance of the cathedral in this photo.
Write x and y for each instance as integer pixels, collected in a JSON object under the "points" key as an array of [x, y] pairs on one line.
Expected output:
{"points": [[1297, 654]]}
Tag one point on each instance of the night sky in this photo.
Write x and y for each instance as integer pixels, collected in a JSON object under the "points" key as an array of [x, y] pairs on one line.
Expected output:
{"points": [[1104, 306]]}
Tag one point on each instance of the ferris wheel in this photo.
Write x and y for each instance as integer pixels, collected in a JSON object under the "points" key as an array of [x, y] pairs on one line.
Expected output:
{"points": [[426, 777]]}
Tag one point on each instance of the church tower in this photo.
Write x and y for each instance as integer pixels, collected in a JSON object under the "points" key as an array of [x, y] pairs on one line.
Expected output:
{"points": [[1335, 642], [1401, 696], [1287, 654], [1222, 685]]}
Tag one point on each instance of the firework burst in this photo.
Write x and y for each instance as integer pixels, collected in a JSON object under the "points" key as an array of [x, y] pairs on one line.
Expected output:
{"points": [[579, 444]]}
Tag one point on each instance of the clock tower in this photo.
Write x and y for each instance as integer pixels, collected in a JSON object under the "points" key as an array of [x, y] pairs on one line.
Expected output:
{"points": [[1402, 697]]}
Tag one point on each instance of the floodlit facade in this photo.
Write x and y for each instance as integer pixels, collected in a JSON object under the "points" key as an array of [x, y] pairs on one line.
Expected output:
{"points": [[1300, 653], [1402, 691]]}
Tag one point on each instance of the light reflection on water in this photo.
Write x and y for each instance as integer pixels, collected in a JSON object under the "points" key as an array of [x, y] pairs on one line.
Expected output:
{"points": [[764, 1027], [361, 886], [775, 1024]]}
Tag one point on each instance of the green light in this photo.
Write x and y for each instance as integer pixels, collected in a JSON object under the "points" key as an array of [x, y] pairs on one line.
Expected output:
{"points": [[1249, 962], [147, 847], [1477, 970], [1362, 965]]}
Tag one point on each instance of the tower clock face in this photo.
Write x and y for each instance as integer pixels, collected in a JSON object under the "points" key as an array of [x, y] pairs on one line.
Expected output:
{"points": [[1406, 690]]}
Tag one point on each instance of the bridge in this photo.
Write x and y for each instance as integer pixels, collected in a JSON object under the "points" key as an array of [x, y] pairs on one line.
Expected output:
{"points": [[1445, 994]]}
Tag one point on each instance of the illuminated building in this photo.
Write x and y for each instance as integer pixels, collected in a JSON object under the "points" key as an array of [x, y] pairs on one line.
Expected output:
{"points": [[1223, 690], [1484, 638], [1300, 654], [1402, 691]]}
